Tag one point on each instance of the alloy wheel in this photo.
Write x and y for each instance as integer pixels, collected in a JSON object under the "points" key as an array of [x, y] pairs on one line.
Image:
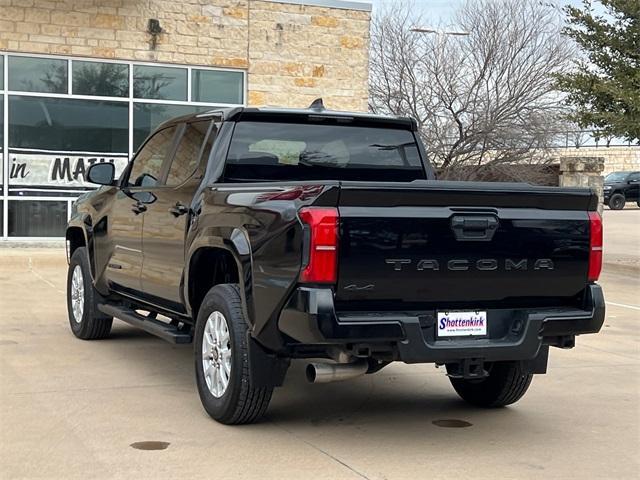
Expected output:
{"points": [[216, 354], [77, 294]]}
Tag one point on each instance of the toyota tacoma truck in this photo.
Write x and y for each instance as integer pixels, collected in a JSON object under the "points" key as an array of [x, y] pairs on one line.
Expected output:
{"points": [[265, 235]]}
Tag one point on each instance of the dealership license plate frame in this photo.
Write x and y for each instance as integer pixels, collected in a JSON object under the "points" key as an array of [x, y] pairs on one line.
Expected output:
{"points": [[462, 331]]}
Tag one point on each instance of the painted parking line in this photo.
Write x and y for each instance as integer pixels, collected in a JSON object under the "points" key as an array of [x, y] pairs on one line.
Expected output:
{"points": [[624, 305]]}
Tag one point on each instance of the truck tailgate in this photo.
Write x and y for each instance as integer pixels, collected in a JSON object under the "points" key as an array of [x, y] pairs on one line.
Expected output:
{"points": [[443, 243]]}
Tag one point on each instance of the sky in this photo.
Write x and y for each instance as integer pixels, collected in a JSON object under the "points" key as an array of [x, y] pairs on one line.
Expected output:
{"points": [[440, 11]]}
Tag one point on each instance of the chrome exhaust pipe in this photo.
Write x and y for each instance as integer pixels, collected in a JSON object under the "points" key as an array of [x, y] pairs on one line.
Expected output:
{"points": [[335, 372]]}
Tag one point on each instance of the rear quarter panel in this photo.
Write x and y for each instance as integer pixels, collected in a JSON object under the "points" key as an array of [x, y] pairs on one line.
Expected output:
{"points": [[267, 217]]}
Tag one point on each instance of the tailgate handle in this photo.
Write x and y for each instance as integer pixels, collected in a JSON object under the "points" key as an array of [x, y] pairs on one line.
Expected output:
{"points": [[474, 228]]}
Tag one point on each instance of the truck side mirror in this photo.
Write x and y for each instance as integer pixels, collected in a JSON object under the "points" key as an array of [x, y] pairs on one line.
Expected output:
{"points": [[101, 173]]}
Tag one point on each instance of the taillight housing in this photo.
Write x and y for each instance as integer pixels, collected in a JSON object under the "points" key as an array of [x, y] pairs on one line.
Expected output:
{"points": [[595, 246], [320, 258]]}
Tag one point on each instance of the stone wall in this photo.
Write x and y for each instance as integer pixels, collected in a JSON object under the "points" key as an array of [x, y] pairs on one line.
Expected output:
{"points": [[583, 172], [615, 158], [293, 53], [299, 53]]}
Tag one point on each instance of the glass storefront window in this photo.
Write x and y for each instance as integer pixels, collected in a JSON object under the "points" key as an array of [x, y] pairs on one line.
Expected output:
{"points": [[148, 116], [53, 136], [1, 146], [100, 78], [43, 75], [65, 124], [216, 86], [163, 83], [30, 218], [53, 141]]}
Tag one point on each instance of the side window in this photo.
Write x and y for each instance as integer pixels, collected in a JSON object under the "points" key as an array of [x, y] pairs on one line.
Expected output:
{"points": [[148, 163], [634, 177], [188, 153]]}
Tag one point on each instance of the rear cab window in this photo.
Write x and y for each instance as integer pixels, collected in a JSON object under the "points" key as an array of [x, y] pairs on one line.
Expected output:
{"points": [[325, 150]]}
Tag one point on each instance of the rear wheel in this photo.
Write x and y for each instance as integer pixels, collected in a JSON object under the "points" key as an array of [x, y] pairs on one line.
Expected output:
{"points": [[617, 201], [85, 320], [506, 384], [222, 360]]}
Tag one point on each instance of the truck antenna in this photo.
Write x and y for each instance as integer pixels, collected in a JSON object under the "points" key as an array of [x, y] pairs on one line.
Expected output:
{"points": [[317, 104]]}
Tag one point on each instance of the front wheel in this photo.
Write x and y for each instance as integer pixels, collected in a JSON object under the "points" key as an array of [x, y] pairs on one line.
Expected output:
{"points": [[617, 201], [85, 320], [222, 360], [506, 384]]}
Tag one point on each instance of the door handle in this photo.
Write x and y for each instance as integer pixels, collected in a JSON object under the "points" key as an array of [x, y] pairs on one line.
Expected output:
{"points": [[178, 209], [138, 208], [479, 228]]}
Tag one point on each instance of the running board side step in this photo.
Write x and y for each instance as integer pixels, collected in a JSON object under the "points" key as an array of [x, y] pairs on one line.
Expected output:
{"points": [[165, 331]]}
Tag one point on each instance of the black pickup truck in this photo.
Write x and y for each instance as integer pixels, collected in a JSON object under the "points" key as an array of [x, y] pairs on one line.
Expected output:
{"points": [[264, 235]]}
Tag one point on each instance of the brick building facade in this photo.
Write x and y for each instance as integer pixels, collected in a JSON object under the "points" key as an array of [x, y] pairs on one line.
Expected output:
{"points": [[293, 51], [85, 81]]}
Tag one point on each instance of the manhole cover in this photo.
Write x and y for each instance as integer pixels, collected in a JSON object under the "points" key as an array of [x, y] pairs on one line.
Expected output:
{"points": [[150, 445], [451, 423]]}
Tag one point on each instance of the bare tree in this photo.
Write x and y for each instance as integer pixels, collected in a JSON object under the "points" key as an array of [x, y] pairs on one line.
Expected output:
{"points": [[482, 101]]}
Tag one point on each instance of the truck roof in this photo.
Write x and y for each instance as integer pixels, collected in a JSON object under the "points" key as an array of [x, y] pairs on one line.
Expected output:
{"points": [[273, 113]]}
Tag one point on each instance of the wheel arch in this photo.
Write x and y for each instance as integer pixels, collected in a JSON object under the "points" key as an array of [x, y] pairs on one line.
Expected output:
{"points": [[79, 233], [214, 260], [76, 238]]}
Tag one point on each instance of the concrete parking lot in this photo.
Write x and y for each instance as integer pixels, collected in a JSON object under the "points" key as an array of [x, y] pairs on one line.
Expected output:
{"points": [[71, 409]]}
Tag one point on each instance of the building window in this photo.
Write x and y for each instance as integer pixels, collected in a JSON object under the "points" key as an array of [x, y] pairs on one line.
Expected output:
{"points": [[217, 87], [29, 218], [65, 124], [41, 75], [100, 78], [1, 145], [65, 114], [162, 83]]}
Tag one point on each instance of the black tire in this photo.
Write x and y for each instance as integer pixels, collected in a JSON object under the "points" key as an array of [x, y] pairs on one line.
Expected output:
{"points": [[617, 201], [241, 402], [93, 324], [506, 384]]}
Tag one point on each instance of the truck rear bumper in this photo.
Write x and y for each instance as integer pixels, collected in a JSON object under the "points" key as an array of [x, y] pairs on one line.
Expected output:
{"points": [[309, 318]]}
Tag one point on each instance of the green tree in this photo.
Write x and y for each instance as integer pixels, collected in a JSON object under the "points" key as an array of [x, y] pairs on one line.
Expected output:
{"points": [[605, 86]]}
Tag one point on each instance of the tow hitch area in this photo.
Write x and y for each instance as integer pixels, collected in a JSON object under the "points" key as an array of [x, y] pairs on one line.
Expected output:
{"points": [[467, 368]]}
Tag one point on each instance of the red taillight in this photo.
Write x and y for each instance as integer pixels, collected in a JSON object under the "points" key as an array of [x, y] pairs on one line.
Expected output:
{"points": [[595, 246], [322, 243]]}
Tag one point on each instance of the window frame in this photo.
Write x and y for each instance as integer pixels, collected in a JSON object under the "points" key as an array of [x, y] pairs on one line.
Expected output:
{"points": [[70, 196], [199, 163]]}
